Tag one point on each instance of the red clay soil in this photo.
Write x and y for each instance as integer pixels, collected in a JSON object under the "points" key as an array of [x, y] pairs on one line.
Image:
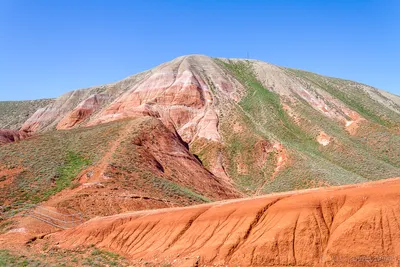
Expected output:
{"points": [[24, 229], [7, 176], [353, 225]]}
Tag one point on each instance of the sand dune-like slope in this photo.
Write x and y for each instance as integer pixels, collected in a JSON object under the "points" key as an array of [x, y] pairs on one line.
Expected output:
{"points": [[354, 225]]}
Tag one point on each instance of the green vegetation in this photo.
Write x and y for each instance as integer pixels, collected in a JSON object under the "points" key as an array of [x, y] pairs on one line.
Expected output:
{"points": [[352, 95], [263, 118], [74, 163], [103, 258], [264, 106]]}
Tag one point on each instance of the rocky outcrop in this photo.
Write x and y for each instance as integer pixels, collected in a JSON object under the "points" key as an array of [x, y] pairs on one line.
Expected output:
{"points": [[170, 158], [9, 136], [323, 139], [342, 226]]}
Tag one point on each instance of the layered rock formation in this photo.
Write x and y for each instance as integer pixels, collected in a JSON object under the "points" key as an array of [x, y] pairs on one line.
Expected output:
{"points": [[343, 226], [67, 107], [83, 111]]}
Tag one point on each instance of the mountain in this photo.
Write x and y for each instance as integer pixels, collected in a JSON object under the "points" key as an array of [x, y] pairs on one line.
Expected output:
{"points": [[258, 127], [197, 130]]}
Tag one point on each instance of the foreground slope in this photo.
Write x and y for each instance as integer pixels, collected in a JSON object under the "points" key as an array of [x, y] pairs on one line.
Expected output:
{"points": [[343, 226]]}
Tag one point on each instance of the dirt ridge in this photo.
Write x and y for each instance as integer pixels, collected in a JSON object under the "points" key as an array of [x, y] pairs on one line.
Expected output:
{"points": [[326, 227]]}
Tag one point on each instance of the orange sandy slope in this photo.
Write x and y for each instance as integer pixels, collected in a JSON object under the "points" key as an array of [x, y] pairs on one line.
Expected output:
{"points": [[354, 225]]}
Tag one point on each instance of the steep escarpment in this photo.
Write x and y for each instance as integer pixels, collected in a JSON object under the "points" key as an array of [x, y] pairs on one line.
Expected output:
{"points": [[343, 226]]}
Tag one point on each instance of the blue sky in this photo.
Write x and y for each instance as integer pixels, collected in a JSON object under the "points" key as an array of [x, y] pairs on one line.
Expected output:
{"points": [[50, 47]]}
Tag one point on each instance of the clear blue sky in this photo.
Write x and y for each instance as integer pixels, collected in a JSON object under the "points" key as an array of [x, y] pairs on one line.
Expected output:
{"points": [[51, 47]]}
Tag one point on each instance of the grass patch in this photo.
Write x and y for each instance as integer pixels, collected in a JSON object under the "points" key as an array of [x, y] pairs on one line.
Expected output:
{"points": [[66, 173], [263, 106], [261, 115]]}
